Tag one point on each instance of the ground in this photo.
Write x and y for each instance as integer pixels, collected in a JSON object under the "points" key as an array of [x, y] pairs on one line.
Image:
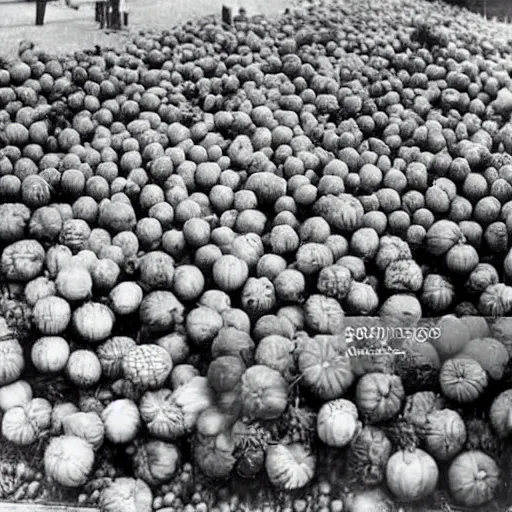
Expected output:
{"points": [[499, 8], [67, 30]]}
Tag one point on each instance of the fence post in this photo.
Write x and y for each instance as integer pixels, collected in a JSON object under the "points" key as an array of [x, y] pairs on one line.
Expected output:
{"points": [[40, 11], [227, 16]]}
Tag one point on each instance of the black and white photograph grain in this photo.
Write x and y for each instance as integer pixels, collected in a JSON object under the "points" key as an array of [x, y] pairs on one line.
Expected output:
{"points": [[255, 255]]}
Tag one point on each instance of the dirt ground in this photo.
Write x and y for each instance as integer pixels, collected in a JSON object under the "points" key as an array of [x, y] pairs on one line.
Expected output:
{"points": [[67, 30]]}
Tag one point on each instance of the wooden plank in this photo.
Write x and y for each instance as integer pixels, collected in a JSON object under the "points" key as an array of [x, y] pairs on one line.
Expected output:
{"points": [[36, 507]]}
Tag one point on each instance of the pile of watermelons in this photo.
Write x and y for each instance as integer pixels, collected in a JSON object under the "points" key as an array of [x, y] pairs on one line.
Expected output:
{"points": [[261, 267]]}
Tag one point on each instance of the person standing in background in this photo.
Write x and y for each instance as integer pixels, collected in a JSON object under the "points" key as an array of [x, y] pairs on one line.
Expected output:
{"points": [[115, 20], [123, 12], [241, 17]]}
